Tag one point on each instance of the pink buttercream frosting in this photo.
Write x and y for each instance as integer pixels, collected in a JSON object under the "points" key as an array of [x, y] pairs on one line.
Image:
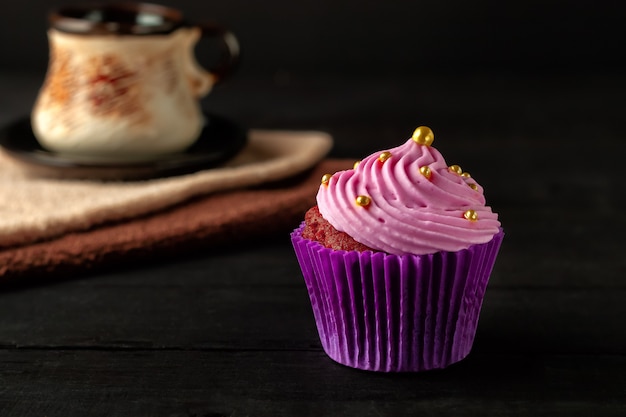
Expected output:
{"points": [[408, 213]]}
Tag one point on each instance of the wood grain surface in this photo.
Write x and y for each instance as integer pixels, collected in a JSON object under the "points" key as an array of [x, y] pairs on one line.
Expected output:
{"points": [[229, 332]]}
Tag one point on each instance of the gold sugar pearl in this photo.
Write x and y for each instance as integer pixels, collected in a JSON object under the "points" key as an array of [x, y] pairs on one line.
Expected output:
{"points": [[326, 178], [423, 136], [466, 175], [471, 215], [473, 186], [363, 201], [455, 168], [426, 171], [356, 164], [384, 156]]}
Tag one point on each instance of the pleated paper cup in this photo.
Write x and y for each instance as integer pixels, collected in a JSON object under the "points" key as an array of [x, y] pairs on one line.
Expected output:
{"points": [[380, 312]]}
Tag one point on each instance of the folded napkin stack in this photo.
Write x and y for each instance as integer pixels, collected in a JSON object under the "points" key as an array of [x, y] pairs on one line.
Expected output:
{"points": [[50, 228]]}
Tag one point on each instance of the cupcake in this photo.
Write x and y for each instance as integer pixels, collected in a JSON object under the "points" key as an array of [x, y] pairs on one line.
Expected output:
{"points": [[396, 257]]}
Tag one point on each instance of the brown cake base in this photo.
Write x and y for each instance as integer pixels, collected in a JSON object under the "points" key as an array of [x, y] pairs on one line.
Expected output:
{"points": [[317, 228]]}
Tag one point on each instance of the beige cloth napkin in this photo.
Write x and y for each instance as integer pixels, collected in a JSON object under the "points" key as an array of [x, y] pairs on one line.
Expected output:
{"points": [[33, 209], [233, 219]]}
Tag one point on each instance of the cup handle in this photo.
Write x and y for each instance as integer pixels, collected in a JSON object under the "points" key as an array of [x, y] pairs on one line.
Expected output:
{"points": [[229, 46], [228, 59]]}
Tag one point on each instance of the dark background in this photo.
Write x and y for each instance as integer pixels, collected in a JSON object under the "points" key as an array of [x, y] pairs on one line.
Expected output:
{"points": [[515, 70], [382, 38]]}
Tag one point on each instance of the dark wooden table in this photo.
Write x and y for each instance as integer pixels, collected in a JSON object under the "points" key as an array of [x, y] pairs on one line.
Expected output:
{"points": [[230, 332]]}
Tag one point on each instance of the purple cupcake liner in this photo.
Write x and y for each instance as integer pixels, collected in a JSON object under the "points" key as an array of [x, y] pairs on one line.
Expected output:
{"points": [[390, 313]]}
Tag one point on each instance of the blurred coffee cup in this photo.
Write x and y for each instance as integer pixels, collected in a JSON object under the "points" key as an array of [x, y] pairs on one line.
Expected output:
{"points": [[123, 80]]}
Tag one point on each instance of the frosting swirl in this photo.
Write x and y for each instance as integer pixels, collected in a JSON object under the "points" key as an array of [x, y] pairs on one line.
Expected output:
{"points": [[405, 208]]}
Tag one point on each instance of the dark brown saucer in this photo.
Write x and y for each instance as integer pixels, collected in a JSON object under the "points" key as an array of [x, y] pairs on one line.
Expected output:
{"points": [[219, 141]]}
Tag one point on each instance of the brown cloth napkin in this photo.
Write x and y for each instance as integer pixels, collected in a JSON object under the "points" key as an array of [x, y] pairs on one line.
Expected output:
{"points": [[208, 222]]}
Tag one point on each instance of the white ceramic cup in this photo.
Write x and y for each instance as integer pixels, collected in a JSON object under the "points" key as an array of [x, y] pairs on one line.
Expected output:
{"points": [[123, 81]]}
